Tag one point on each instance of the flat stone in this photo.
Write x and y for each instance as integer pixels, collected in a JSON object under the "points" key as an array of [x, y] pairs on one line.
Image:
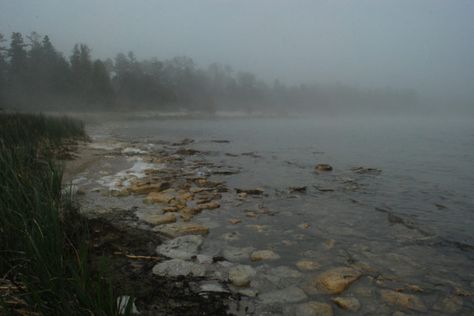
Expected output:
{"points": [[159, 219], [147, 187], [348, 303], [179, 267], [209, 206], [403, 300], [237, 254], [257, 191], [314, 309], [260, 255], [308, 265], [212, 287], [290, 294], [336, 280], [234, 221], [241, 275], [181, 229], [159, 197], [183, 247]]}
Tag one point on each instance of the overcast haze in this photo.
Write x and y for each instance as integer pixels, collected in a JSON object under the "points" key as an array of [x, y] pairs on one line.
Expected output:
{"points": [[427, 45]]}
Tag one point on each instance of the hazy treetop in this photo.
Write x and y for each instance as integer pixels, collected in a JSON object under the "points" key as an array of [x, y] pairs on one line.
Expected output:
{"points": [[425, 44]]}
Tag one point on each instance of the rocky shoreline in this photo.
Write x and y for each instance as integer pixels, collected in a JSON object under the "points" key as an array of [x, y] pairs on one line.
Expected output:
{"points": [[145, 201]]}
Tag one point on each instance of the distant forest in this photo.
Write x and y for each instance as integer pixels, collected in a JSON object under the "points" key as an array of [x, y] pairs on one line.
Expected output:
{"points": [[34, 75]]}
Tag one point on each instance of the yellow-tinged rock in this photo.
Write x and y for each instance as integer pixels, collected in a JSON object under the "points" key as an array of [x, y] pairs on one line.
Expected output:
{"points": [[260, 255], [348, 303], [159, 219], [308, 265], [336, 280], [403, 300], [181, 229], [159, 197], [147, 187]]}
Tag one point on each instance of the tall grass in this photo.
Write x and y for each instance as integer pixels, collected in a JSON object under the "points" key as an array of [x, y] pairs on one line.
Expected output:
{"points": [[43, 244]]}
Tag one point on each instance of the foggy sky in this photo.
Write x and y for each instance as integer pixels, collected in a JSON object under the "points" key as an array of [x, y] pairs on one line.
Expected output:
{"points": [[424, 44]]}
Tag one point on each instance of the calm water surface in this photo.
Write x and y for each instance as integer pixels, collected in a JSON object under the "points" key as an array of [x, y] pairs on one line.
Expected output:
{"points": [[413, 222]]}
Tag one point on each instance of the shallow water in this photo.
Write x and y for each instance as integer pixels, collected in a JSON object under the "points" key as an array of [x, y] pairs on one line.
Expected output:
{"points": [[413, 223]]}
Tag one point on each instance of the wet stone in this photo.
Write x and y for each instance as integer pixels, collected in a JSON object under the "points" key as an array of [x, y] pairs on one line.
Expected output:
{"points": [[237, 254], [336, 280], [159, 197], [183, 247], [260, 255], [181, 229], [314, 309], [241, 275], [348, 303], [159, 219], [179, 267], [403, 300], [323, 167], [449, 305], [308, 265]]}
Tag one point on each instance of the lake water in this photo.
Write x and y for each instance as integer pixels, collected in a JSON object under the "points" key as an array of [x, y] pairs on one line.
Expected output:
{"points": [[413, 222]]}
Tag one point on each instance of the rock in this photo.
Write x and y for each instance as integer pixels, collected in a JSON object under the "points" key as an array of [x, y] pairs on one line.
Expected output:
{"points": [[159, 219], [248, 292], [179, 267], [234, 221], [314, 309], [183, 247], [237, 254], [292, 294], [348, 303], [122, 305], [209, 206], [257, 191], [366, 170], [308, 265], [301, 189], [159, 197], [241, 275], [304, 226], [204, 259], [187, 151], [407, 301], [147, 187], [449, 305], [336, 280], [323, 167], [181, 229], [329, 243], [231, 236], [212, 287], [264, 255]]}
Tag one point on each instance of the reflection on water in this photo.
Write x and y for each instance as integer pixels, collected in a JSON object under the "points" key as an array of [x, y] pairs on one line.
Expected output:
{"points": [[409, 226]]}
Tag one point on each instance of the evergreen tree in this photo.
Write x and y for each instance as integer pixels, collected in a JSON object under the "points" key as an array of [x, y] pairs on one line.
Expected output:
{"points": [[3, 72]]}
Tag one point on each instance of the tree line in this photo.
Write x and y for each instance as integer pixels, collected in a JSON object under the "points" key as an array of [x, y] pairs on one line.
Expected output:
{"points": [[34, 75]]}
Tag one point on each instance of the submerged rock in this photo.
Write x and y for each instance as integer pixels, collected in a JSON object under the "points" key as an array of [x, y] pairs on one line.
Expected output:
{"points": [[241, 275], [237, 254], [264, 255], [257, 191], [449, 305], [147, 187], [183, 247], [181, 229], [179, 267], [336, 280], [323, 167], [159, 219], [159, 197], [291, 294], [314, 309], [308, 265], [348, 303], [407, 301]]}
